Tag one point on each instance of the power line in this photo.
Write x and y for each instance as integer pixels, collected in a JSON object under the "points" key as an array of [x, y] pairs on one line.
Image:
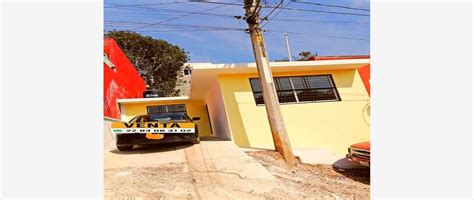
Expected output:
{"points": [[257, 10], [148, 4], [179, 30], [328, 5], [305, 20], [318, 35], [173, 25], [320, 21], [238, 17], [323, 11], [187, 30], [278, 5], [223, 15], [243, 34], [174, 18], [144, 8], [184, 27], [292, 9], [227, 28], [174, 11], [214, 2], [275, 14], [122, 14]]}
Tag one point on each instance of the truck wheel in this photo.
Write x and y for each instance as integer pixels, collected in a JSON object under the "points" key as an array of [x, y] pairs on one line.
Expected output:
{"points": [[196, 141], [125, 148]]}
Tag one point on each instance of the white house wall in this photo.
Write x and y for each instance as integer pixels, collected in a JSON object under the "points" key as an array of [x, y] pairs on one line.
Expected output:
{"points": [[217, 113]]}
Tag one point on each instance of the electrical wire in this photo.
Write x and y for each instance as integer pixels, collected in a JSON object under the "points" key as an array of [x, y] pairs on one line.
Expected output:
{"points": [[220, 15], [268, 21], [185, 27], [214, 2], [170, 10], [187, 30], [292, 9], [323, 11], [181, 16], [245, 40], [237, 17], [278, 5], [318, 35], [319, 21], [329, 5], [179, 11], [172, 25], [177, 30], [256, 10], [140, 5]]}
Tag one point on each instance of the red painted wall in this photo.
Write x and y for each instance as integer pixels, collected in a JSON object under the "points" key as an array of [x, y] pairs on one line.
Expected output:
{"points": [[364, 73], [338, 57], [124, 82]]}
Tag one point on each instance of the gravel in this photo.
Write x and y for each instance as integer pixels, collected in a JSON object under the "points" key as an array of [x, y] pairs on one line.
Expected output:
{"points": [[315, 181]]}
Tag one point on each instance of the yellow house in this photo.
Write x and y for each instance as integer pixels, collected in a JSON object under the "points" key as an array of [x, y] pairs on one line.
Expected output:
{"points": [[324, 103]]}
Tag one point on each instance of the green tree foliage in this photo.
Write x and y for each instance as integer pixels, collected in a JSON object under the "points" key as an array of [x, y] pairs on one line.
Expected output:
{"points": [[158, 62]]}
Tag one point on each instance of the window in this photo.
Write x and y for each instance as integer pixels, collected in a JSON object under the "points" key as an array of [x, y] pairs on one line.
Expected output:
{"points": [[160, 117], [166, 108], [165, 117], [299, 89]]}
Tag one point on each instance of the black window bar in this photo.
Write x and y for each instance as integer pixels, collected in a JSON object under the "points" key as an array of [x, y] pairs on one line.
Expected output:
{"points": [[295, 89]]}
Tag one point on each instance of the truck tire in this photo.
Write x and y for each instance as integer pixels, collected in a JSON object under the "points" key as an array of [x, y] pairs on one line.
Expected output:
{"points": [[125, 148], [196, 141]]}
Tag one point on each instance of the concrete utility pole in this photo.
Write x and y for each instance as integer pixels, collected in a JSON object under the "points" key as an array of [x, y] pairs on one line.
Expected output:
{"points": [[288, 47], [275, 118]]}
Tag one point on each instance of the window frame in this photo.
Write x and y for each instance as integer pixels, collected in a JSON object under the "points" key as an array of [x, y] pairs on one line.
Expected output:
{"points": [[167, 110], [294, 91], [166, 113]]}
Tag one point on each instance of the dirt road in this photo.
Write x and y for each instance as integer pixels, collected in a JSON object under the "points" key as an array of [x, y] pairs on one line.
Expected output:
{"points": [[214, 170]]}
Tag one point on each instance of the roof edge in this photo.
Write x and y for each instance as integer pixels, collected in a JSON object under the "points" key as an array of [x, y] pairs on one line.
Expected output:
{"points": [[148, 100]]}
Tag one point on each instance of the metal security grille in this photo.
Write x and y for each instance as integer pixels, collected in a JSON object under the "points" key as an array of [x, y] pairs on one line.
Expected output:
{"points": [[166, 108], [294, 89]]}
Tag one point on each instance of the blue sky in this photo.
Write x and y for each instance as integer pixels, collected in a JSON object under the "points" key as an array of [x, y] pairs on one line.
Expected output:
{"points": [[233, 46]]}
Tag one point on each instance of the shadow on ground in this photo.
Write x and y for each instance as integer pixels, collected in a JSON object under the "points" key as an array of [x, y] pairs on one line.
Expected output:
{"points": [[361, 174], [153, 148], [212, 139]]}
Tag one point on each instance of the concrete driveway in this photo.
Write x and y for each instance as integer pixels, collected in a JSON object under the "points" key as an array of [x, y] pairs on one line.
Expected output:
{"points": [[214, 169]]}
